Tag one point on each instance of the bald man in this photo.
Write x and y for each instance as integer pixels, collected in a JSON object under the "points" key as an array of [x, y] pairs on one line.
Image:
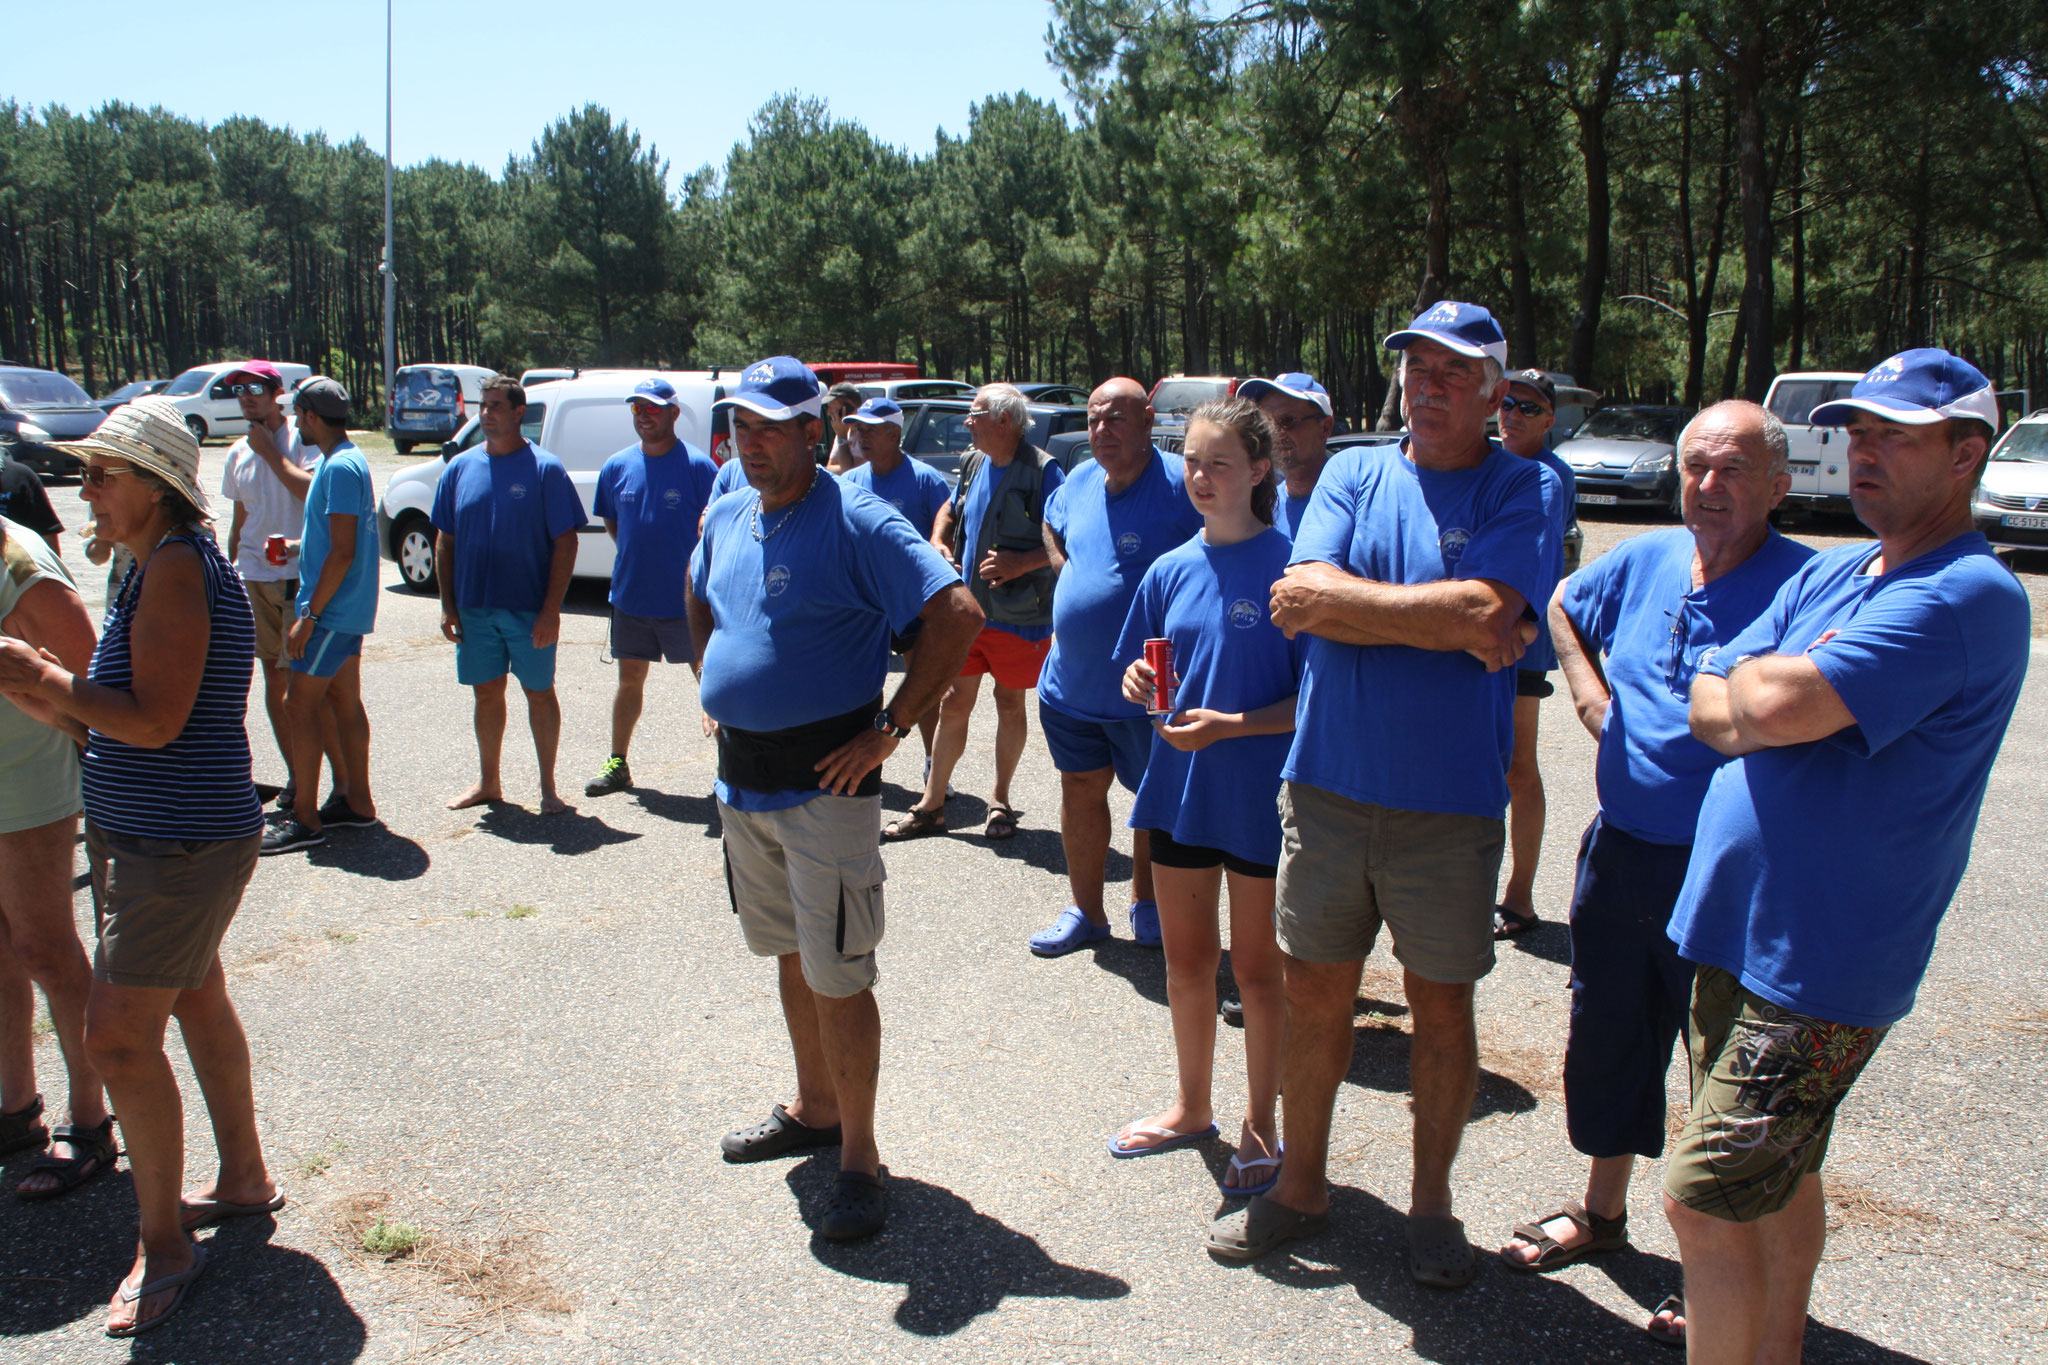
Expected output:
{"points": [[1112, 517]]}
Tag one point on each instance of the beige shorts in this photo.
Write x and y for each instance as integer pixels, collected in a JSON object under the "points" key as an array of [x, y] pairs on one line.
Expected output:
{"points": [[275, 605], [808, 880], [163, 905], [1346, 867]]}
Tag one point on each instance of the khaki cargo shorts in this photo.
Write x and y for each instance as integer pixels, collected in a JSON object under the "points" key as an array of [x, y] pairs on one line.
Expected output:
{"points": [[275, 605], [808, 880]]}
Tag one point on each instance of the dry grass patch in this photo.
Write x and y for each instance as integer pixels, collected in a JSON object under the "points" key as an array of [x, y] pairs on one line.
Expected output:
{"points": [[501, 1275], [1851, 1205]]}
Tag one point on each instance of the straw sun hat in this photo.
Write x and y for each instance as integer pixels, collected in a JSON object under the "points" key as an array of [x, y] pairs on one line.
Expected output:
{"points": [[151, 434]]}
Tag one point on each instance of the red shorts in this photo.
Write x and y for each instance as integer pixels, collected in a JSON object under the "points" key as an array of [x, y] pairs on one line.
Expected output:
{"points": [[1014, 662]]}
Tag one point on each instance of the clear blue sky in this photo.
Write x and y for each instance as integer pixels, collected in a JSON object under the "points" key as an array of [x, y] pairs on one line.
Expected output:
{"points": [[478, 81]]}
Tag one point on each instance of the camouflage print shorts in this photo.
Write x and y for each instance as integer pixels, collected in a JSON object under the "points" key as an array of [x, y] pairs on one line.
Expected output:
{"points": [[1765, 1085]]}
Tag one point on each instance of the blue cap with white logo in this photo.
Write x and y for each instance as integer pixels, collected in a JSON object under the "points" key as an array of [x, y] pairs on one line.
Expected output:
{"points": [[877, 412], [657, 391], [1916, 388], [1466, 328], [1294, 385], [779, 388]]}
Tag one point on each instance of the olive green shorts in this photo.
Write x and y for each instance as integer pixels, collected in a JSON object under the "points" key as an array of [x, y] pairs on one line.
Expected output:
{"points": [[1766, 1082], [163, 905]]}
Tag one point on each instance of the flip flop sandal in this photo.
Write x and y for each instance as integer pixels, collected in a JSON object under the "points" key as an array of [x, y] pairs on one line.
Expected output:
{"points": [[1168, 1140], [1238, 1166], [1002, 823], [778, 1134], [204, 1213], [23, 1130], [181, 1282], [1438, 1254], [1673, 1304], [1604, 1234], [858, 1206], [1511, 924], [915, 824], [73, 1171], [1259, 1227]]}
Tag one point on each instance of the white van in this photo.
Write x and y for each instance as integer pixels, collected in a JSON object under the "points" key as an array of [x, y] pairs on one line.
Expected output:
{"points": [[1819, 457], [201, 393], [582, 421]]}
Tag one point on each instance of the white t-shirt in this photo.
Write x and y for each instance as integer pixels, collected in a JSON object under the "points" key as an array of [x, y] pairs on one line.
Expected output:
{"points": [[273, 511]]}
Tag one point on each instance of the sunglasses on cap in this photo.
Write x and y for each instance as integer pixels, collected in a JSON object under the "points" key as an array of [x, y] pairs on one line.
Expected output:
{"points": [[251, 388], [96, 475], [1523, 406]]}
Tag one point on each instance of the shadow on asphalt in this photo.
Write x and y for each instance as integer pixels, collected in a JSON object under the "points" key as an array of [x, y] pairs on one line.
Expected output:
{"points": [[380, 852], [954, 1263], [256, 1304], [571, 832], [1549, 940], [682, 810]]}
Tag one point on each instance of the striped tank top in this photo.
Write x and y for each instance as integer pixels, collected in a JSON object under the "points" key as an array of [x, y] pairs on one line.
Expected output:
{"points": [[197, 786]]}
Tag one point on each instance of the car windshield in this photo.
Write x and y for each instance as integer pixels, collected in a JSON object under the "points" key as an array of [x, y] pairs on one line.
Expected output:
{"points": [[2027, 441], [1185, 395], [135, 390], [192, 381], [1624, 424], [425, 388], [41, 389]]}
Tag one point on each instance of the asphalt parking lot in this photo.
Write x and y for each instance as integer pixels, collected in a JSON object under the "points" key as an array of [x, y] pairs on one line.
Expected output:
{"points": [[520, 1037]]}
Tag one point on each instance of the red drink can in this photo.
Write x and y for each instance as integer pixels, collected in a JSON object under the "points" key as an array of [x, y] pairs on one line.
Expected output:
{"points": [[1159, 658], [273, 550]]}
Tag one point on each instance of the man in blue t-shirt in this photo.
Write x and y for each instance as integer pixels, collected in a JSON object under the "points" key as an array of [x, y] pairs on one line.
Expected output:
{"points": [[1527, 412], [796, 587], [1416, 572], [1629, 630], [1303, 419], [651, 497], [336, 608], [1864, 711], [1105, 525], [506, 518]]}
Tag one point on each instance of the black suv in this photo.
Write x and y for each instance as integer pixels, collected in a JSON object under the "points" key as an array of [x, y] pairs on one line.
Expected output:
{"points": [[39, 408]]}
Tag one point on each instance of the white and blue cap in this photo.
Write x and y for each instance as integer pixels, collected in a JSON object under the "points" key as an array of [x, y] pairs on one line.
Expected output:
{"points": [[878, 411], [1294, 385], [1466, 328], [1916, 388], [656, 391], [779, 388]]}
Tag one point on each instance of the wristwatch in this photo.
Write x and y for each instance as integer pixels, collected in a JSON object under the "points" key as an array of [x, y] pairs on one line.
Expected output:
{"points": [[889, 727]]}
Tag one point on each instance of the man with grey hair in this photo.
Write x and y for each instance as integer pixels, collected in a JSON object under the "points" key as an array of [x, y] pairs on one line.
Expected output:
{"points": [[1629, 631], [995, 523]]}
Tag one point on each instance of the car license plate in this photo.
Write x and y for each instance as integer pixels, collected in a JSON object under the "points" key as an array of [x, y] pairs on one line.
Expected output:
{"points": [[1599, 499], [415, 415], [2024, 523], [1802, 466]]}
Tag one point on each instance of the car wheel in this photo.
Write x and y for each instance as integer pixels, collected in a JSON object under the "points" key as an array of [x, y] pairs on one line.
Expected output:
{"points": [[404, 447], [197, 426], [415, 555]]}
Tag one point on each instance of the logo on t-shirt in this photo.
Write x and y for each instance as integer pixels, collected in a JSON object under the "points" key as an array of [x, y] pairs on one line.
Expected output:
{"points": [[1245, 613], [1453, 542], [629, 495], [778, 579], [517, 490], [1129, 543], [672, 499], [896, 503]]}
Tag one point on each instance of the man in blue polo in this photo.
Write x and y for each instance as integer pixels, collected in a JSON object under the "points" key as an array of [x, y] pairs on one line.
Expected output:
{"points": [[1864, 711], [506, 518], [1104, 526], [874, 430], [651, 497], [1299, 409], [1416, 572], [795, 589]]}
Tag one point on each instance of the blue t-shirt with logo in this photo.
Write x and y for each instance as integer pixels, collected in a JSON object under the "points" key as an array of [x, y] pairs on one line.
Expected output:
{"points": [[1407, 728], [342, 487], [505, 512], [913, 488], [1111, 539], [656, 502], [803, 617], [1214, 603], [974, 510], [1636, 604], [1560, 502], [1822, 870]]}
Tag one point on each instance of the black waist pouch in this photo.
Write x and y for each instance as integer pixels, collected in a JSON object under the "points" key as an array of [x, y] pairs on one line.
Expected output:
{"points": [[786, 760]]}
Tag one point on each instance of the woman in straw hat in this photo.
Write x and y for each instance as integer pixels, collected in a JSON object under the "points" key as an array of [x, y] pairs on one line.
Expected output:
{"points": [[172, 827]]}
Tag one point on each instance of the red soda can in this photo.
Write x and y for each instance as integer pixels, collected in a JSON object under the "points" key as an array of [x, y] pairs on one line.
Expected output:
{"points": [[1159, 658], [273, 550]]}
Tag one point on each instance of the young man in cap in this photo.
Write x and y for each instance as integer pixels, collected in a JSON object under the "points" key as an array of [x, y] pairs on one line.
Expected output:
{"points": [[506, 518], [1416, 567], [336, 606], [1865, 709], [1302, 418], [993, 526], [1104, 526], [836, 451], [1527, 412], [795, 589], [651, 497]]}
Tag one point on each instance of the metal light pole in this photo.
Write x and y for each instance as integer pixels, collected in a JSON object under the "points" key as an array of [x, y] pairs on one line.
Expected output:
{"points": [[390, 281]]}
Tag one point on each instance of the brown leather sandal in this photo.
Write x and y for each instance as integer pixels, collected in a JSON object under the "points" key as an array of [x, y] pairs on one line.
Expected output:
{"points": [[1605, 1234], [915, 824], [24, 1129], [99, 1154]]}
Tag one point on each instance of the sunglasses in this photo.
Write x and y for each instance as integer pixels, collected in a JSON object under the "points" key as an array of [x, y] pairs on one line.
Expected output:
{"points": [[1287, 426], [1523, 406], [250, 390], [96, 475]]}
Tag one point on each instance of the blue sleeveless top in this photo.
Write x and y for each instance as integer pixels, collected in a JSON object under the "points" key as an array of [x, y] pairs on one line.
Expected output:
{"points": [[197, 786]]}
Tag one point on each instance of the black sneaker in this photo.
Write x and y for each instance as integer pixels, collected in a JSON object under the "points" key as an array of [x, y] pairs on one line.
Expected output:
{"points": [[1233, 1012], [288, 836], [336, 814], [614, 776]]}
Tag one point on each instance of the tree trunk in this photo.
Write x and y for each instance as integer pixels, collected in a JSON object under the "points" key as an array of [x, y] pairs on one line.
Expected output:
{"points": [[1521, 294], [1753, 172], [1592, 120]]}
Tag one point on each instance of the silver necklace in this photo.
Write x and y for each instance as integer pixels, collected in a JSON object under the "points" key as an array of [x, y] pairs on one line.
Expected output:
{"points": [[754, 517]]}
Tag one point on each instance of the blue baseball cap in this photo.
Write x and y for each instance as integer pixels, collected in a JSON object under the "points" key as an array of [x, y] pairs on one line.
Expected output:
{"points": [[1916, 387], [878, 411], [657, 391], [779, 388], [1466, 328], [1294, 385]]}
